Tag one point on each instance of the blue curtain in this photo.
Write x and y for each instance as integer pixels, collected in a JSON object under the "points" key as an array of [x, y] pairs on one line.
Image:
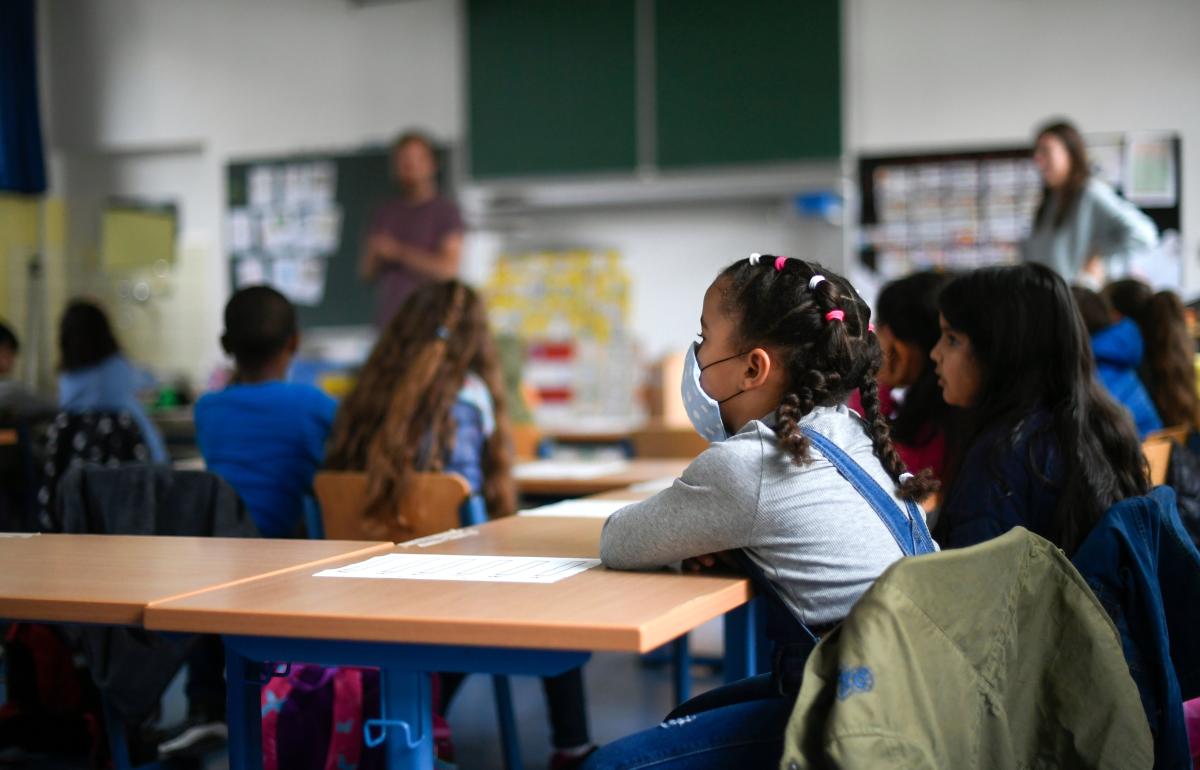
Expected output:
{"points": [[22, 167]]}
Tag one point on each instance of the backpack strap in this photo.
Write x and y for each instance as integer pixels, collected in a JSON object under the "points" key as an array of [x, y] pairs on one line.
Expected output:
{"points": [[345, 737], [909, 530], [274, 695]]}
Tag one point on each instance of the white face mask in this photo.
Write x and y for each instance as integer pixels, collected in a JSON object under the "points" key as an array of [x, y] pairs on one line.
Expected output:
{"points": [[703, 410]]}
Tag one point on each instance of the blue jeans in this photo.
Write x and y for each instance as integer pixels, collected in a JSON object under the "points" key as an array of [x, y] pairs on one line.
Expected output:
{"points": [[738, 725]]}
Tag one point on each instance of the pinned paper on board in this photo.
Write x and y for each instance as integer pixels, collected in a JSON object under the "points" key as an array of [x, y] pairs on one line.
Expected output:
{"points": [[1150, 171], [241, 231], [249, 271]]}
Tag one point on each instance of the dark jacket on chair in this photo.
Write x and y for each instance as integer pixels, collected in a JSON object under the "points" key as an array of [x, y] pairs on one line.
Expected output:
{"points": [[1144, 569], [131, 666]]}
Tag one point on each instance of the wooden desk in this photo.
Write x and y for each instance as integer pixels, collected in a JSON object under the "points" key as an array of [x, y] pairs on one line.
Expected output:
{"points": [[408, 628], [595, 610], [627, 473], [110, 579]]}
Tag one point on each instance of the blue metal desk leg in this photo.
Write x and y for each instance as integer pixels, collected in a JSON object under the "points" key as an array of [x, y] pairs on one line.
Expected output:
{"points": [[683, 669], [740, 644], [406, 714], [509, 741], [243, 682]]}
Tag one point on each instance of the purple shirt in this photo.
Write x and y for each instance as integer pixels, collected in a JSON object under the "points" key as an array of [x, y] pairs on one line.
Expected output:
{"points": [[423, 225]]}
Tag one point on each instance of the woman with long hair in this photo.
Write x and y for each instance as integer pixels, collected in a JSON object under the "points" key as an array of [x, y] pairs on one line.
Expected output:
{"points": [[1081, 224], [1048, 448]]}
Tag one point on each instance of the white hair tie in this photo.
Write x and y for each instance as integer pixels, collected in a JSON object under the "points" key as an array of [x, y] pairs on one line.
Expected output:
{"points": [[904, 477], [755, 257], [815, 281]]}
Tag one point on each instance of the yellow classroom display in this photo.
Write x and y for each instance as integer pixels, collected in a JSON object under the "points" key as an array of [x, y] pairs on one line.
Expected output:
{"points": [[570, 309], [132, 237]]}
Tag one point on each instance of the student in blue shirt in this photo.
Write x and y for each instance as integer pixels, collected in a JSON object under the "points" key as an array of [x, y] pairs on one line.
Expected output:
{"points": [[95, 377], [1117, 346], [263, 435]]}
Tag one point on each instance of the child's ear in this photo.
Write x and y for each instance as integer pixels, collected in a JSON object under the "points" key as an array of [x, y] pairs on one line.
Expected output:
{"points": [[293, 344], [225, 344], [758, 368]]}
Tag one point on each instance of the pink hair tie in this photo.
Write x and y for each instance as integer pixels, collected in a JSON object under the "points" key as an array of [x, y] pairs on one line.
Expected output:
{"points": [[871, 327], [779, 262], [835, 315]]}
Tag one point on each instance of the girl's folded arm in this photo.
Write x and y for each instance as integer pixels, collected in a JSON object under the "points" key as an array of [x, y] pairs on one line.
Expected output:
{"points": [[710, 508]]}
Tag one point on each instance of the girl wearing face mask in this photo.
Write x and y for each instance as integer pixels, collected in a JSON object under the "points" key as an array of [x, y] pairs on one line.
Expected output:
{"points": [[1048, 448], [1081, 225], [811, 500]]}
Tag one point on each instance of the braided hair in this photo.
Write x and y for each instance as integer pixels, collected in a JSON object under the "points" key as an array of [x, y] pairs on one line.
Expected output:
{"points": [[780, 304]]}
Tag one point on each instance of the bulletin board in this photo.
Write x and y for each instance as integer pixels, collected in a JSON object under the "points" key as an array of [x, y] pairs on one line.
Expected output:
{"points": [[297, 222], [963, 209]]}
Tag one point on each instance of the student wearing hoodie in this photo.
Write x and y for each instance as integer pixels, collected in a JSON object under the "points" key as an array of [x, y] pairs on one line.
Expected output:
{"points": [[1117, 346]]}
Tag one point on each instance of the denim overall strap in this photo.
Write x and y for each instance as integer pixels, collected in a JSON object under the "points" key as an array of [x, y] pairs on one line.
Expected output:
{"points": [[910, 531]]}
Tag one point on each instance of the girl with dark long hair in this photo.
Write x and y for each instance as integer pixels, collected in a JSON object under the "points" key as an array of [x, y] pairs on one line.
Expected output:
{"points": [[1048, 448], [1168, 369]]}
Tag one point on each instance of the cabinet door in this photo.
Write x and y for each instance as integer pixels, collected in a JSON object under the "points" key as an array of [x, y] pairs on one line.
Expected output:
{"points": [[747, 82], [551, 86]]}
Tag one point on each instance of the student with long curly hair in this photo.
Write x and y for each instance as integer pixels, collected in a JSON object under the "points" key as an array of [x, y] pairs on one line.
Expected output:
{"points": [[431, 398], [814, 502]]}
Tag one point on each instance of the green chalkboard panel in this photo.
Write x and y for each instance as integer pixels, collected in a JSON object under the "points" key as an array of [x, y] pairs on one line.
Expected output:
{"points": [[747, 82], [551, 86], [362, 182]]}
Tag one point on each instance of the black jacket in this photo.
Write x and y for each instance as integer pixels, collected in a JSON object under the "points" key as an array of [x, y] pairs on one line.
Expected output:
{"points": [[131, 666]]}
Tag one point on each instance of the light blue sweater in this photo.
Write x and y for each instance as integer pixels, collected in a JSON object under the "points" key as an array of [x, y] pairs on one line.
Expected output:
{"points": [[111, 385], [1103, 224]]}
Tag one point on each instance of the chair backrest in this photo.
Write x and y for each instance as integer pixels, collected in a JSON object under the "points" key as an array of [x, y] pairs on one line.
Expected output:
{"points": [[1176, 433], [1158, 454], [660, 441], [526, 440], [343, 494]]}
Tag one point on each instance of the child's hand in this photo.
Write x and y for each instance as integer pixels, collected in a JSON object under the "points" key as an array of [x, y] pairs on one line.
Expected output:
{"points": [[719, 561]]}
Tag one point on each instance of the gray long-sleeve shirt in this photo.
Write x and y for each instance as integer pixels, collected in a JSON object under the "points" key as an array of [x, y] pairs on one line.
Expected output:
{"points": [[1103, 224], [814, 536]]}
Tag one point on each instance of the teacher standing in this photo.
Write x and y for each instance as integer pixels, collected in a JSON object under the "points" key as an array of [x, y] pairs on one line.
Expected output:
{"points": [[415, 238], [1082, 228]]}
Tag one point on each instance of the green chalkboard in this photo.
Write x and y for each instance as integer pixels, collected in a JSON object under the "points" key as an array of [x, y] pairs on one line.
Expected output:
{"points": [[551, 86], [362, 182], [747, 82]]}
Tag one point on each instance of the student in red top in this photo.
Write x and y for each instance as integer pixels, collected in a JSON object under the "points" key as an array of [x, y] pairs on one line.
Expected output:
{"points": [[908, 329], [415, 238]]}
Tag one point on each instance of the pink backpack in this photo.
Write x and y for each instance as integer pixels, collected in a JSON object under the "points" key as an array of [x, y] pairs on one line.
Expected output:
{"points": [[1191, 718], [312, 719]]}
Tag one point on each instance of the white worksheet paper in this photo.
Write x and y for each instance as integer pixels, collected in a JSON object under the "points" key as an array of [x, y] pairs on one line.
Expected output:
{"points": [[483, 569], [580, 509], [568, 469]]}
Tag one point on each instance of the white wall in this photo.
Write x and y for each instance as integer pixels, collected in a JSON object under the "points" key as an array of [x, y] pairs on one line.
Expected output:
{"points": [[232, 78]]}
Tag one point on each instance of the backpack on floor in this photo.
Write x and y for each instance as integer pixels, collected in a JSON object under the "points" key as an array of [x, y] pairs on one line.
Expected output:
{"points": [[52, 705], [312, 719]]}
